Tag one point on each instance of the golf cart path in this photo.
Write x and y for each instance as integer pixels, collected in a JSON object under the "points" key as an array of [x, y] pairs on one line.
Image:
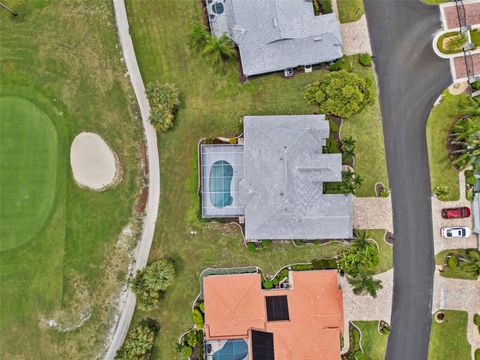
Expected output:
{"points": [[151, 210]]}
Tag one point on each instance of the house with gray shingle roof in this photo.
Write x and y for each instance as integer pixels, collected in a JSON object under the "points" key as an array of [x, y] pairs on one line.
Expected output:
{"points": [[274, 180], [274, 35]]}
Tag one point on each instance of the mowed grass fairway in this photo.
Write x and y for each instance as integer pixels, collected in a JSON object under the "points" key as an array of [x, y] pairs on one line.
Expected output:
{"points": [[213, 103], [28, 164], [61, 74]]}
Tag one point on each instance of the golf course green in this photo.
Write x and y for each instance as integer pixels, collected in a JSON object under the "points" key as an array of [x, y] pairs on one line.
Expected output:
{"points": [[28, 164]]}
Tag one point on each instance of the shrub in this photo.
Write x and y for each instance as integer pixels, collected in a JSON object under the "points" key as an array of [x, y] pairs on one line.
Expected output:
{"points": [[348, 149], [197, 317], [139, 341], [267, 284], [470, 195], [191, 338], [325, 6], [341, 64], [251, 247], [149, 283], [351, 181], [266, 243], [365, 59], [201, 306], [476, 85], [477, 354], [452, 262], [302, 267], [186, 352], [339, 93], [441, 192], [164, 101], [471, 180], [476, 319], [385, 193], [331, 146]]}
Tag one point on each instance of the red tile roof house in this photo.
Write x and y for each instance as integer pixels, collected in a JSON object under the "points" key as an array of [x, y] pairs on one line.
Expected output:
{"points": [[244, 321]]}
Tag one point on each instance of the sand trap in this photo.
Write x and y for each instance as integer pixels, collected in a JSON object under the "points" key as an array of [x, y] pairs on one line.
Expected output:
{"points": [[94, 164]]}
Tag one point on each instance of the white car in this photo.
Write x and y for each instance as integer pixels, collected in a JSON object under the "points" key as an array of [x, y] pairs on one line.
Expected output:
{"points": [[456, 232]]}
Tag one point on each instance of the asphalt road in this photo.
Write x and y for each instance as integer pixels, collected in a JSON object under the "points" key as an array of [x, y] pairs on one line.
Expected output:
{"points": [[410, 79]]}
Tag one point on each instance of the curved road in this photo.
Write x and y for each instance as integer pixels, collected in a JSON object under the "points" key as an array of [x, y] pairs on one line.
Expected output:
{"points": [[410, 78], [151, 210]]}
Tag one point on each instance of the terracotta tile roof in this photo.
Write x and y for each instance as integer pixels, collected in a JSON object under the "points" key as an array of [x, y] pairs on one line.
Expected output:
{"points": [[234, 304], [461, 69], [472, 14]]}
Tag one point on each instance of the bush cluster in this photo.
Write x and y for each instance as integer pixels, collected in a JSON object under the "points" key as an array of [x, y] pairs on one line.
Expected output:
{"points": [[149, 283], [341, 64], [339, 93], [365, 59], [452, 262], [139, 341], [164, 101]]}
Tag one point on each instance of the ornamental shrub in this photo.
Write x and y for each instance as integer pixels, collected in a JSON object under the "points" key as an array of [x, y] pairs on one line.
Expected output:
{"points": [[197, 317], [164, 101], [476, 85], [341, 64], [476, 319], [471, 180], [441, 192], [251, 247], [365, 59], [339, 93], [201, 306], [267, 284], [452, 262]]}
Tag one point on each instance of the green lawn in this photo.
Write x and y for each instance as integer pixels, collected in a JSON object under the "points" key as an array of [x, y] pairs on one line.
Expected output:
{"points": [[475, 34], [448, 340], [440, 121], [374, 344], [434, 2], [213, 103], [60, 74], [455, 272], [350, 10], [28, 164]]}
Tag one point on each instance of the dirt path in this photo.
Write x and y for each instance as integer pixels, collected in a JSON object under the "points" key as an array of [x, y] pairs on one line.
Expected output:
{"points": [[151, 210]]}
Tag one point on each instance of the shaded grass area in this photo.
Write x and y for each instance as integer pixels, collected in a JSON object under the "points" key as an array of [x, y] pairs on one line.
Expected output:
{"points": [[70, 69], [475, 35], [448, 340], [374, 344], [213, 103], [458, 272], [350, 10], [441, 119]]}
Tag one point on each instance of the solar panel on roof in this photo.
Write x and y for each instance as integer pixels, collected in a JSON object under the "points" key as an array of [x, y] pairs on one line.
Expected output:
{"points": [[277, 308], [262, 345]]}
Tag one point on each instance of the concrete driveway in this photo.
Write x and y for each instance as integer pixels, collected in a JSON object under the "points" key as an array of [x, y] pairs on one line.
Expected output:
{"points": [[410, 78]]}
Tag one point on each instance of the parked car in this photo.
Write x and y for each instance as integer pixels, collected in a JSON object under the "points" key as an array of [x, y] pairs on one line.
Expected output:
{"points": [[456, 232], [456, 213]]}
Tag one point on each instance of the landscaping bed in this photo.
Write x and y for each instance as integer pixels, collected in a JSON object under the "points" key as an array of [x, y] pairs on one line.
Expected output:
{"points": [[451, 42], [459, 263]]}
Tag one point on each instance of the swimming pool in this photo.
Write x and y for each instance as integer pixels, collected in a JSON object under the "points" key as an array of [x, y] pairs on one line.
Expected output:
{"points": [[221, 174], [232, 350]]}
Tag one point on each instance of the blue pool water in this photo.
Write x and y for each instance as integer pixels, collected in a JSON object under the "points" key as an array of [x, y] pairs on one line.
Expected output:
{"points": [[221, 174], [233, 350]]}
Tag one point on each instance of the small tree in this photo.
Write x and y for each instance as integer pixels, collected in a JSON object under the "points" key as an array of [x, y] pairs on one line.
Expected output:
{"points": [[339, 93], [149, 283], [164, 102], [364, 283], [348, 149], [360, 240], [355, 261], [219, 49]]}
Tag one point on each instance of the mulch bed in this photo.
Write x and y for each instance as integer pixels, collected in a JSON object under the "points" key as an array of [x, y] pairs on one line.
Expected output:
{"points": [[379, 188], [389, 237], [141, 202]]}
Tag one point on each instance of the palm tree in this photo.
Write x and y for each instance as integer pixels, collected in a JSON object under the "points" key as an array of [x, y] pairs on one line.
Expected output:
{"points": [[199, 35], [219, 49], [348, 149], [360, 240], [364, 283]]}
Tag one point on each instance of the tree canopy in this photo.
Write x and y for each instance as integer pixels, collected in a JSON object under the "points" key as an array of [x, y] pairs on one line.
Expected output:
{"points": [[149, 283], [339, 93]]}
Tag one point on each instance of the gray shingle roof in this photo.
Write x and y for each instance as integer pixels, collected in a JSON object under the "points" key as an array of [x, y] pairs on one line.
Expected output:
{"points": [[273, 35], [282, 190]]}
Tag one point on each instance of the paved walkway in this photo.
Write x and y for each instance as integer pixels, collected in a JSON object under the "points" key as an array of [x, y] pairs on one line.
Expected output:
{"points": [[151, 210], [355, 37], [456, 294], [372, 213], [440, 243], [365, 307]]}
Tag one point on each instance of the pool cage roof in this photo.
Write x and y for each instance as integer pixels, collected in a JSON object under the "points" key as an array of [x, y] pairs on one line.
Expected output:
{"points": [[222, 169]]}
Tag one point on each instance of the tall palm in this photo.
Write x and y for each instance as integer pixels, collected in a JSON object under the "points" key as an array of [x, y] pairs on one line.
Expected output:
{"points": [[467, 129], [219, 49], [364, 283]]}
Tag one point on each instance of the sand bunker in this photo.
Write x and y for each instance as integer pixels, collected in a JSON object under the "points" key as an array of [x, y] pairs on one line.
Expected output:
{"points": [[94, 164]]}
